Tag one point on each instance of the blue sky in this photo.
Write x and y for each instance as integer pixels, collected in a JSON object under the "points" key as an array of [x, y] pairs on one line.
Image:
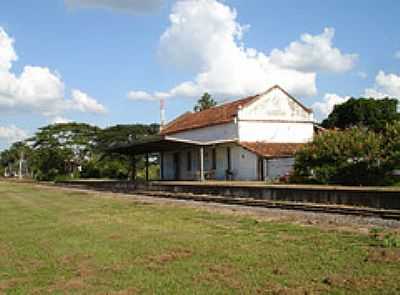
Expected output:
{"points": [[93, 61]]}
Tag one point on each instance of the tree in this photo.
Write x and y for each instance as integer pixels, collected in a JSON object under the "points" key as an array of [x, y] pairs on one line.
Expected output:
{"points": [[11, 157], [79, 150], [205, 102], [123, 134], [391, 136], [355, 156], [114, 165], [371, 113]]}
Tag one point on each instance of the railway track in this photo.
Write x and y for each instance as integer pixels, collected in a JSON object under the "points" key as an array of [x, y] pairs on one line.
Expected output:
{"points": [[309, 207], [318, 208]]}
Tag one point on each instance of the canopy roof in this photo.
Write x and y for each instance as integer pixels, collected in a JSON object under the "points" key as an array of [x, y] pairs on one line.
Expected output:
{"points": [[151, 144]]}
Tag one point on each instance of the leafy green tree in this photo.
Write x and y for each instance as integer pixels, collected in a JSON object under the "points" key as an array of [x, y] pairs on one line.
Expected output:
{"points": [[205, 102], [368, 112], [114, 165], [123, 134], [355, 156], [391, 144], [10, 158], [59, 149]]}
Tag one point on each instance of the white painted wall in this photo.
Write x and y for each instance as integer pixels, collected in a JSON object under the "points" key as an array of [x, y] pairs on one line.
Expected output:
{"points": [[277, 118], [283, 132], [275, 105], [243, 163], [227, 131], [275, 168]]}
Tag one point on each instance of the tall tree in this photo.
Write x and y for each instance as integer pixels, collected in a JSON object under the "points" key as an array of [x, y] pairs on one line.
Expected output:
{"points": [[371, 113], [60, 149], [123, 134], [205, 102], [11, 157]]}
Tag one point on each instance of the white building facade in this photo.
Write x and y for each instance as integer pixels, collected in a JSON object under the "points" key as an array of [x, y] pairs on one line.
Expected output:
{"points": [[249, 139]]}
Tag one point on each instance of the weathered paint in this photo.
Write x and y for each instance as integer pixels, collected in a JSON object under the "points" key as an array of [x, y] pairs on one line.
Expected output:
{"points": [[275, 105], [274, 117], [243, 163], [276, 168], [284, 132], [227, 131]]}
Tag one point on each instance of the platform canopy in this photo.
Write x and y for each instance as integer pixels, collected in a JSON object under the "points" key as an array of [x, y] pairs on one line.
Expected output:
{"points": [[152, 144]]}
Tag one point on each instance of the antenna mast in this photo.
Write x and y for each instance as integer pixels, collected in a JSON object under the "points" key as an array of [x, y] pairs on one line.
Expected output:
{"points": [[162, 113]]}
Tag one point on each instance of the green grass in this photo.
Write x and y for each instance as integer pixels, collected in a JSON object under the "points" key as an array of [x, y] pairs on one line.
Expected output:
{"points": [[65, 242]]}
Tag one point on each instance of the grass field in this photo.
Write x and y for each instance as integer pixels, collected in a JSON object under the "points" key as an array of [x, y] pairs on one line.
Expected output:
{"points": [[55, 241]]}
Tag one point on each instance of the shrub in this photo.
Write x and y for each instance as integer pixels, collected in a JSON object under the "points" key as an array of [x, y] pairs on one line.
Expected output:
{"points": [[355, 156]]}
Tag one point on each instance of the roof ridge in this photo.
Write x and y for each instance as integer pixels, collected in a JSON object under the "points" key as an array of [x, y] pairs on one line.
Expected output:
{"points": [[219, 114]]}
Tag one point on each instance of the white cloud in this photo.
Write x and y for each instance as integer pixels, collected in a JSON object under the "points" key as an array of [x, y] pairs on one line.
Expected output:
{"points": [[143, 95], [325, 107], [205, 37], [386, 85], [36, 89], [59, 120], [8, 54], [314, 53], [84, 103], [12, 134], [140, 95], [132, 6], [397, 54]]}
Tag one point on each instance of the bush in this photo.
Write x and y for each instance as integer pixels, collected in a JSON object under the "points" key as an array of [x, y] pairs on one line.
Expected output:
{"points": [[355, 156]]}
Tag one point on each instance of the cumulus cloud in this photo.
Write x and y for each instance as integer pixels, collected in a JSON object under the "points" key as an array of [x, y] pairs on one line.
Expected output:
{"points": [[36, 89], [325, 107], [386, 85], [205, 37], [314, 53], [132, 6], [8, 54], [84, 103], [12, 134]]}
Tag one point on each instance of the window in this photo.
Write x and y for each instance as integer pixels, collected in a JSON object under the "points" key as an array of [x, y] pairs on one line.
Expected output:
{"points": [[214, 159], [189, 161]]}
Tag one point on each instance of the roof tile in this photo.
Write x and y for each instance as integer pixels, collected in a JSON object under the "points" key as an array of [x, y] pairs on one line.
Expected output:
{"points": [[272, 150]]}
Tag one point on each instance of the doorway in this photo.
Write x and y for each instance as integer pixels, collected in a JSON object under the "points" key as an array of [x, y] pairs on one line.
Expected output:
{"points": [[177, 170], [260, 169]]}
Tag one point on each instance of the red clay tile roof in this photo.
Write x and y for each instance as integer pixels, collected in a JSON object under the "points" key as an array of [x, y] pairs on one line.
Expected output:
{"points": [[272, 150], [214, 116]]}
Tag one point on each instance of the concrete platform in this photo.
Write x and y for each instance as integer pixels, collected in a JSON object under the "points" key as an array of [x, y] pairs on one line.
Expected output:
{"points": [[370, 197]]}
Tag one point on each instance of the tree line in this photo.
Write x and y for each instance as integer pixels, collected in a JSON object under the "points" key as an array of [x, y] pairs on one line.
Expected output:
{"points": [[76, 150]]}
